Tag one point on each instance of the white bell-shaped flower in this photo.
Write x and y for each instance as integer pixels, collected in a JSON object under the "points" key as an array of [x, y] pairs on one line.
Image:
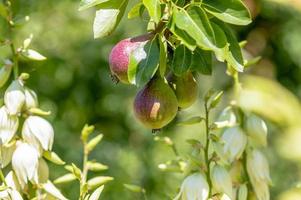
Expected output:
{"points": [[221, 180], [31, 98], [38, 132], [25, 162], [259, 173], [234, 142], [14, 97], [257, 130], [194, 187], [6, 153], [8, 125]]}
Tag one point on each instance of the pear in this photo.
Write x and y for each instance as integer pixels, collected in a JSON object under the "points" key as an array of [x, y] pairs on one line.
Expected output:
{"points": [[120, 56], [156, 104], [185, 88]]}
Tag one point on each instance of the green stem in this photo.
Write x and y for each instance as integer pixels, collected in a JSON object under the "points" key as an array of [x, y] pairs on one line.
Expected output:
{"points": [[207, 160], [14, 52], [83, 180]]}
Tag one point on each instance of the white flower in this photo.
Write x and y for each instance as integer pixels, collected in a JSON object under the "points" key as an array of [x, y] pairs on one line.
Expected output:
{"points": [[8, 125], [31, 99], [6, 152], [234, 143], [38, 132], [194, 187], [12, 181], [259, 173], [25, 163], [257, 130], [10, 194], [14, 97], [43, 171], [221, 180]]}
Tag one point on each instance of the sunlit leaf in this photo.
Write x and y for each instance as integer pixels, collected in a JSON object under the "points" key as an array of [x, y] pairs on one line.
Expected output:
{"points": [[85, 4], [33, 55], [230, 11], [154, 9], [108, 17], [144, 63], [191, 121]]}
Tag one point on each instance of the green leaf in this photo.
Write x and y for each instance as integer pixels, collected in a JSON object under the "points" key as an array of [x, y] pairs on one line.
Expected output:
{"points": [[98, 181], [221, 43], [93, 142], [163, 55], [181, 60], [154, 9], [201, 61], [135, 11], [234, 55], [229, 11], [53, 157], [133, 188], [108, 17], [143, 63], [191, 121], [85, 4], [195, 22], [185, 39], [65, 179], [33, 55]]}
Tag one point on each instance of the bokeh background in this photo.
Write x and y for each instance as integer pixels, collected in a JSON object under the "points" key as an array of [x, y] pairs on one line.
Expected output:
{"points": [[74, 84]]}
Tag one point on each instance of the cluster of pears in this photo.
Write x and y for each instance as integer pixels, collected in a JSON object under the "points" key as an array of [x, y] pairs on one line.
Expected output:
{"points": [[157, 103]]}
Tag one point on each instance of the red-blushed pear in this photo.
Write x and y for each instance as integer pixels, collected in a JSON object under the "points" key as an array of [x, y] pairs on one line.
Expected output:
{"points": [[120, 56], [185, 88], [156, 104]]}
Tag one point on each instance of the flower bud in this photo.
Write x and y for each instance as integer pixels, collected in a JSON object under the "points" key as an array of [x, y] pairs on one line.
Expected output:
{"points": [[38, 132], [258, 170], [242, 192], [226, 119], [43, 171], [235, 142], [25, 163], [8, 125], [5, 72], [194, 187], [6, 154], [14, 97], [31, 99], [257, 130], [258, 166], [221, 180]]}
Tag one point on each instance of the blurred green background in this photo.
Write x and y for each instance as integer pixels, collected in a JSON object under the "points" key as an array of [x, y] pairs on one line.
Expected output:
{"points": [[75, 84]]}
